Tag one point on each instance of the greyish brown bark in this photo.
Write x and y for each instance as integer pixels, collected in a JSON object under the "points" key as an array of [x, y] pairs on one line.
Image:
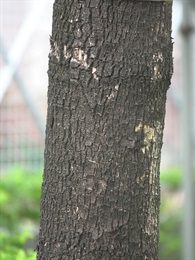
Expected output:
{"points": [[109, 70]]}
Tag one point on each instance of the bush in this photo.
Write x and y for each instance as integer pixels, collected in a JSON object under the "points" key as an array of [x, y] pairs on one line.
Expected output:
{"points": [[12, 246], [171, 177], [170, 215], [19, 199]]}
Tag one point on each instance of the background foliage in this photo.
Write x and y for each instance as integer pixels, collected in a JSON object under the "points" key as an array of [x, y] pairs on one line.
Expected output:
{"points": [[19, 224], [19, 199]]}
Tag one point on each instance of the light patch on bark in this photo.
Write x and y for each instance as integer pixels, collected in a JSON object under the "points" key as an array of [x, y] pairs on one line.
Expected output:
{"points": [[88, 183], [157, 58], [110, 96], [77, 55], [117, 87], [138, 127], [92, 161], [152, 220], [67, 53], [55, 51], [102, 185], [78, 33], [80, 57], [113, 92], [140, 179], [148, 135], [94, 73], [160, 56], [156, 71], [71, 20]]}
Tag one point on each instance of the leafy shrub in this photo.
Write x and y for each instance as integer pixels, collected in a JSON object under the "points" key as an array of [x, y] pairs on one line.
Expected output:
{"points": [[171, 177], [12, 246], [19, 200], [19, 197], [170, 215]]}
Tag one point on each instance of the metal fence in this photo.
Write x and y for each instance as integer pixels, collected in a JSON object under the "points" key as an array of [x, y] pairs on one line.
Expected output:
{"points": [[24, 48]]}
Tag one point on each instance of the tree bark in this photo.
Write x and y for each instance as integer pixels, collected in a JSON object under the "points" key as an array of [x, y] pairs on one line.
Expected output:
{"points": [[110, 66]]}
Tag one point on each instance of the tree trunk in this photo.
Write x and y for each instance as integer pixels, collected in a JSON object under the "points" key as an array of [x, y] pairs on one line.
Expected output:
{"points": [[109, 70]]}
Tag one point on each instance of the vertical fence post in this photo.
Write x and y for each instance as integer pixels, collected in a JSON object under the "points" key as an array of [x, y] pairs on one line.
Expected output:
{"points": [[187, 31]]}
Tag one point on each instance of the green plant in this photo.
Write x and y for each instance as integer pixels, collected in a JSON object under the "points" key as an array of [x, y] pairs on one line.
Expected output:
{"points": [[170, 214], [19, 197], [19, 200], [171, 177], [170, 236], [12, 246]]}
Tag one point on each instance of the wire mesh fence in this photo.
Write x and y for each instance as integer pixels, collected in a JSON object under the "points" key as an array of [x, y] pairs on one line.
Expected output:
{"points": [[24, 48], [21, 142]]}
